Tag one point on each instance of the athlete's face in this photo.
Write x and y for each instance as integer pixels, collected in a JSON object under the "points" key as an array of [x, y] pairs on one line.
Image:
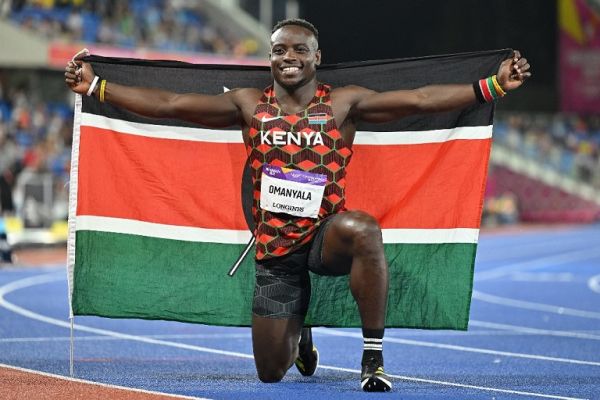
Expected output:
{"points": [[294, 56]]}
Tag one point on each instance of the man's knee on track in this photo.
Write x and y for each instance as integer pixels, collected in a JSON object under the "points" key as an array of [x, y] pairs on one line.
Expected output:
{"points": [[271, 375]]}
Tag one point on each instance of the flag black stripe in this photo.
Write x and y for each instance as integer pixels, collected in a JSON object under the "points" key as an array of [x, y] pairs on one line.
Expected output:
{"points": [[377, 75]]}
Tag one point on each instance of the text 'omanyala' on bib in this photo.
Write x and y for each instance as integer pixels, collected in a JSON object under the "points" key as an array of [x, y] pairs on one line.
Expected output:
{"points": [[290, 191]]}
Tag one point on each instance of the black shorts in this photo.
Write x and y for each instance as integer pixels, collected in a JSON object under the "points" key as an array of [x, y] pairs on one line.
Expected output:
{"points": [[282, 287]]}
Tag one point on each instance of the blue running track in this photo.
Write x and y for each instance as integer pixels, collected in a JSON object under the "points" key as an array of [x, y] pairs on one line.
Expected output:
{"points": [[534, 333]]}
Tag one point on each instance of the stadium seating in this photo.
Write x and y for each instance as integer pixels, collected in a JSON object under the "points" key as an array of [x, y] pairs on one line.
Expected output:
{"points": [[153, 24], [35, 140], [567, 144]]}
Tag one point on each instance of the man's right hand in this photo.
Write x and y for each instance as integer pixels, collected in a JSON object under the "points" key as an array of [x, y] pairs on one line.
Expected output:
{"points": [[79, 75], [210, 110]]}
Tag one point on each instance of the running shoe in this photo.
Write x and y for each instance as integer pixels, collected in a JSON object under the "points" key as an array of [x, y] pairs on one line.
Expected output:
{"points": [[308, 355], [373, 379]]}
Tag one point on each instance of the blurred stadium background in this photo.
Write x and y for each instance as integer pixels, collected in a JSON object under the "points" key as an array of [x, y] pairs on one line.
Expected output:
{"points": [[545, 167]]}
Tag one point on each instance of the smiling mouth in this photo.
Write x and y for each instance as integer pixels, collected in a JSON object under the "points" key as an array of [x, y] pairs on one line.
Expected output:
{"points": [[290, 70]]}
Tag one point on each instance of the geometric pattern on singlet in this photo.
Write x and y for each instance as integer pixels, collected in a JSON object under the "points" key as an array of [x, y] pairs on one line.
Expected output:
{"points": [[278, 234]]}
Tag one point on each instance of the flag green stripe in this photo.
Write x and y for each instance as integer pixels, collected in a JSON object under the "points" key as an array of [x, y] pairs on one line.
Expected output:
{"points": [[123, 276]]}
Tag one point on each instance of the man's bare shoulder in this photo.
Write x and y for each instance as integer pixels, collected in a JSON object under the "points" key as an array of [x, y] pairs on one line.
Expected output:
{"points": [[350, 94], [245, 100], [245, 93], [245, 97], [350, 91]]}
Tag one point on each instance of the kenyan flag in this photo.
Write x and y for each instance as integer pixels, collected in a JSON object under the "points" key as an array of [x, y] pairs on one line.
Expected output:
{"points": [[156, 216]]}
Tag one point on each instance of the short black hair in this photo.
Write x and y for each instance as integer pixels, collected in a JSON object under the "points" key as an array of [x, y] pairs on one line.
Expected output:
{"points": [[298, 22]]}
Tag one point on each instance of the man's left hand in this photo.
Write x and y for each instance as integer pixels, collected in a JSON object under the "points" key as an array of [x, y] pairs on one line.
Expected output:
{"points": [[513, 72]]}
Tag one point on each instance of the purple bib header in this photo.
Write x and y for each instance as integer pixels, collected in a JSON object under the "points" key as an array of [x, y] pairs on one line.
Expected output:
{"points": [[295, 175]]}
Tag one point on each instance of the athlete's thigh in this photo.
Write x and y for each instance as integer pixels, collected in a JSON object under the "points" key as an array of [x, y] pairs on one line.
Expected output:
{"points": [[281, 298], [275, 342]]}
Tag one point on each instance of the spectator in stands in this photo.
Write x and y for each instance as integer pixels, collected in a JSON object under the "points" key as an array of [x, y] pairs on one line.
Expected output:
{"points": [[567, 144], [9, 167], [159, 24], [35, 139]]}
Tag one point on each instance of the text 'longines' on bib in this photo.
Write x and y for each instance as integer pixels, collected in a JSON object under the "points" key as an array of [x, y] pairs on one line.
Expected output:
{"points": [[290, 191]]}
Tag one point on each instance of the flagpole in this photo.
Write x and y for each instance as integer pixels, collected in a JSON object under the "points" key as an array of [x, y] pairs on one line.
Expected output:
{"points": [[72, 350], [237, 264]]}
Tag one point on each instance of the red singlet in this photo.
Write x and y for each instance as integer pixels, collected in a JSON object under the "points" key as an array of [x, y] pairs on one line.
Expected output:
{"points": [[322, 150]]}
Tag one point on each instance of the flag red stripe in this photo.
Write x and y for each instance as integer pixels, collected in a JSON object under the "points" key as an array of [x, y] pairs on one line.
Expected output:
{"points": [[173, 186], [438, 185], [160, 180]]}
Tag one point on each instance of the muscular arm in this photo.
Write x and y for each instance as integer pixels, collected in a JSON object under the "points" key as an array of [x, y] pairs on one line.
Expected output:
{"points": [[371, 106], [388, 106], [214, 111]]}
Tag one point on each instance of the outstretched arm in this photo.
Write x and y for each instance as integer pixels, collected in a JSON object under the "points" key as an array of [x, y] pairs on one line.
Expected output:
{"points": [[215, 111], [372, 106]]}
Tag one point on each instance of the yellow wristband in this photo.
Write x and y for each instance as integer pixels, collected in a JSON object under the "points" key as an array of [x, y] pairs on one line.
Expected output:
{"points": [[102, 87], [497, 86]]}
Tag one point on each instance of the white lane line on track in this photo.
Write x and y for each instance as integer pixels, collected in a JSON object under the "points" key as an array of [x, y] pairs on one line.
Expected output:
{"points": [[47, 278], [542, 262], [103, 338], [444, 346], [535, 331], [41, 279], [594, 283], [462, 385], [543, 277], [529, 305], [106, 385]]}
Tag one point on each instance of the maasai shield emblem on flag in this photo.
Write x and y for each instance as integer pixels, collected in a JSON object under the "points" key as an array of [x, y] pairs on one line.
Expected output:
{"points": [[156, 217]]}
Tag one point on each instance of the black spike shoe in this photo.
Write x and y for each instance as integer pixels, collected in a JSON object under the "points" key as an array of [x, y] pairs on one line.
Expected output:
{"points": [[372, 377], [308, 355]]}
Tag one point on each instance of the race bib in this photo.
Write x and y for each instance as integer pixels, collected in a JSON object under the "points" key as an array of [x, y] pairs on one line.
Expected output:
{"points": [[290, 191]]}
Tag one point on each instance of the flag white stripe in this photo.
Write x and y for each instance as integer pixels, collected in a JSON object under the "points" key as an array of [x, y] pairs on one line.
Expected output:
{"points": [[161, 131], [369, 340], [373, 346], [234, 136], [422, 137], [161, 231], [454, 235], [193, 234]]}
